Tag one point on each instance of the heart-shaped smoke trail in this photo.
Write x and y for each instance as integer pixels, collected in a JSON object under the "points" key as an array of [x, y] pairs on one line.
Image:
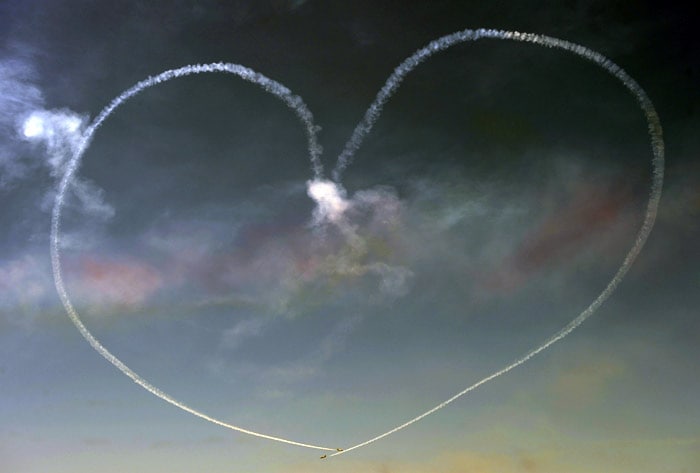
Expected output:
{"points": [[330, 196]]}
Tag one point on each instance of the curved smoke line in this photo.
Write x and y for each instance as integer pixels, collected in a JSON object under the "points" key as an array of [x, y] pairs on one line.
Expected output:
{"points": [[657, 145], [268, 85]]}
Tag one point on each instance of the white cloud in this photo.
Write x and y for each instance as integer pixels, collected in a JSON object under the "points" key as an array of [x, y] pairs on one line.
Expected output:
{"points": [[241, 331], [26, 289], [91, 199]]}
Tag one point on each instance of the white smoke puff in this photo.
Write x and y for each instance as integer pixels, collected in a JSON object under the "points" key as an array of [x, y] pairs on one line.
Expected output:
{"points": [[330, 198], [18, 96], [33, 126], [59, 131], [44, 124]]}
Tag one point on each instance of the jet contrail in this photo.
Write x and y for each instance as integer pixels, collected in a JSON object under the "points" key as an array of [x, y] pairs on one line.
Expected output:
{"points": [[268, 85], [657, 146]]}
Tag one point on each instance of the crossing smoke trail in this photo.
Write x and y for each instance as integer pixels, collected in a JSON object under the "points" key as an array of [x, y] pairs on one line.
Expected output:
{"points": [[657, 145], [268, 85]]}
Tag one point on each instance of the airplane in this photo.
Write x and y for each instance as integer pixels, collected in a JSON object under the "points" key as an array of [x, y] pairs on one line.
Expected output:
{"points": [[323, 456]]}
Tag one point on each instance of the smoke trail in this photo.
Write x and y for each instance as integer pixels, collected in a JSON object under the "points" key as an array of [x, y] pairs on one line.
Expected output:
{"points": [[657, 145], [268, 85], [344, 160]]}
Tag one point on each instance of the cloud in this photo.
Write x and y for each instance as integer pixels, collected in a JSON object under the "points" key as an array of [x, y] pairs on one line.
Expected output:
{"points": [[464, 461], [23, 120], [578, 220], [276, 381], [57, 134], [377, 246], [587, 381], [100, 283], [357, 223], [242, 330], [497, 237], [104, 283], [97, 442], [36, 138], [26, 289], [550, 455], [282, 266], [393, 280], [18, 97], [90, 199], [309, 365]]}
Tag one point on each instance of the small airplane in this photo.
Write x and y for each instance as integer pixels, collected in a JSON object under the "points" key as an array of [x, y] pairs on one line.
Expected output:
{"points": [[337, 450]]}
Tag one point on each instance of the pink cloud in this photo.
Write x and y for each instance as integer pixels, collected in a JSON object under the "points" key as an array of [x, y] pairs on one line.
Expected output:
{"points": [[126, 282], [562, 235]]}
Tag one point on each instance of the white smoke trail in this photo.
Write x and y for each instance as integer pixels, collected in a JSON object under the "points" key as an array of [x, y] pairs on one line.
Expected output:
{"points": [[657, 145], [268, 85]]}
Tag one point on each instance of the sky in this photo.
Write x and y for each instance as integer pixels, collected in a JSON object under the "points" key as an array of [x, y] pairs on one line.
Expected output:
{"points": [[494, 199]]}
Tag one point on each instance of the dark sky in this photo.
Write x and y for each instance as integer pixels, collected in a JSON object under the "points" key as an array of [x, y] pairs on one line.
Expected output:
{"points": [[494, 199]]}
